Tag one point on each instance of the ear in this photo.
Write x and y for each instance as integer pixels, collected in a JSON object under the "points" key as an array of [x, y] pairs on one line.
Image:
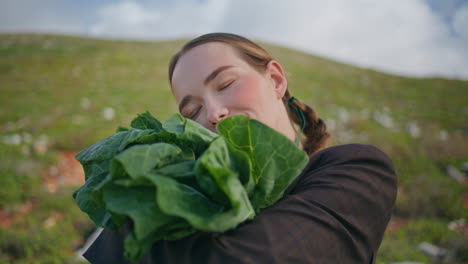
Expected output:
{"points": [[277, 76]]}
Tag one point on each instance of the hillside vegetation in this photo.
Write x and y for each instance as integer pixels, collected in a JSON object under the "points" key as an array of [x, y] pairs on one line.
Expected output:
{"points": [[60, 94]]}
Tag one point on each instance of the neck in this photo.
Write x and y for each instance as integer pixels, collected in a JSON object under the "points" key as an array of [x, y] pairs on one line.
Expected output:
{"points": [[286, 126]]}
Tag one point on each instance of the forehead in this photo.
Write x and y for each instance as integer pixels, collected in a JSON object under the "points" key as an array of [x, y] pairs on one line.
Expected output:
{"points": [[197, 63]]}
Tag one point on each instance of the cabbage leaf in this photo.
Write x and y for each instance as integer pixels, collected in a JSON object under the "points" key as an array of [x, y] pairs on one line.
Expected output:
{"points": [[169, 180]]}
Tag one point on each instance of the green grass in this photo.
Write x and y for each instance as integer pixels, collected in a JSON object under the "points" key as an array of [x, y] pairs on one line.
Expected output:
{"points": [[45, 79], [402, 244]]}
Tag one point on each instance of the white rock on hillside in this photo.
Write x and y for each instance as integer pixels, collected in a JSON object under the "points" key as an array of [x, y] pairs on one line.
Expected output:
{"points": [[443, 135], [85, 103], [108, 113], [413, 129], [14, 139]]}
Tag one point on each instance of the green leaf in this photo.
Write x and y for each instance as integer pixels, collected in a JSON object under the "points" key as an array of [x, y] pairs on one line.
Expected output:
{"points": [[183, 172], [215, 177], [139, 159], [276, 160], [146, 121], [87, 200], [139, 203], [175, 178], [132, 135], [175, 124], [109, 147], [120, 129], [190, 133], [185, 133], [181, 200], [179, 170], [135, 249]]}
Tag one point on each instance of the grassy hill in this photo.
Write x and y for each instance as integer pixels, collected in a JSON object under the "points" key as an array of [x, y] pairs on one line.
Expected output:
{"points": [[64, 93]]}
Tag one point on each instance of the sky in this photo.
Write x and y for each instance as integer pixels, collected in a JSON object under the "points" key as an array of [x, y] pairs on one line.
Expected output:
{"points": [[420, 38]]}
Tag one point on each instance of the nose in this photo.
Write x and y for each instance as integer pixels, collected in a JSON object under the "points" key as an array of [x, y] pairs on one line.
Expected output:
{"points": [[216, 112]]}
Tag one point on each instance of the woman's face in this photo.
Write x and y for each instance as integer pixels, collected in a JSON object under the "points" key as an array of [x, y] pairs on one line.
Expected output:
{"points": [[211, 82]]}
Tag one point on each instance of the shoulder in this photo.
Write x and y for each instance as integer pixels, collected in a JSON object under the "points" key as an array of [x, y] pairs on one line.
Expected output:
{"points": [[352, 189], [355, 165], [349, 153], [356, 185], [357, 156]]}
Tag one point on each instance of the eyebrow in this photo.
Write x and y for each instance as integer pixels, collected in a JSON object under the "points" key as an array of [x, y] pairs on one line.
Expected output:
{"points": [[215, 73], [208, 79]]}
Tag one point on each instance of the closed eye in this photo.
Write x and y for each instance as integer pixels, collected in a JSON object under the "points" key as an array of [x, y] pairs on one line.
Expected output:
{"points": [[225, 85], [192, 114]]}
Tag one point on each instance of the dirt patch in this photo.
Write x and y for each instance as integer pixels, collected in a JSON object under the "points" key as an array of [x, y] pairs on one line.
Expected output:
{"points": [[396, 223], [465, 200], [67, 172], [8, 217]]}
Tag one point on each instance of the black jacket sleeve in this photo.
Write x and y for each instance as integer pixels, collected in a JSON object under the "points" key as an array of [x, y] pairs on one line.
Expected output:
{"points": [[336, 211]]}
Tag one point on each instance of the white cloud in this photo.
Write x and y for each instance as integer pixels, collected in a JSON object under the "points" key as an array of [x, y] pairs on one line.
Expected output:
{"points": [[403, 37], [125, 18], [460, 22], [36, 16], [131, 19], [400, 36]]}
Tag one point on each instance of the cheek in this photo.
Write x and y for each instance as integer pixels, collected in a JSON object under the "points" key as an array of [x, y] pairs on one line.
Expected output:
{"points": [[248, 93]]}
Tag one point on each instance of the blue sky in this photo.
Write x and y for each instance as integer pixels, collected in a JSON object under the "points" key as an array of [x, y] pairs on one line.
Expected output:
{"points": [[407, 37]]}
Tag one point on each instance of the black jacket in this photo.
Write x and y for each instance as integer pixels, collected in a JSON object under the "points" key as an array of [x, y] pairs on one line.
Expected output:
{"points": [[336, 211]]}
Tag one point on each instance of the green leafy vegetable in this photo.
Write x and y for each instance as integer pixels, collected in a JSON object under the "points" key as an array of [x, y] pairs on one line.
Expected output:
{"points": [[169, 180]]}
